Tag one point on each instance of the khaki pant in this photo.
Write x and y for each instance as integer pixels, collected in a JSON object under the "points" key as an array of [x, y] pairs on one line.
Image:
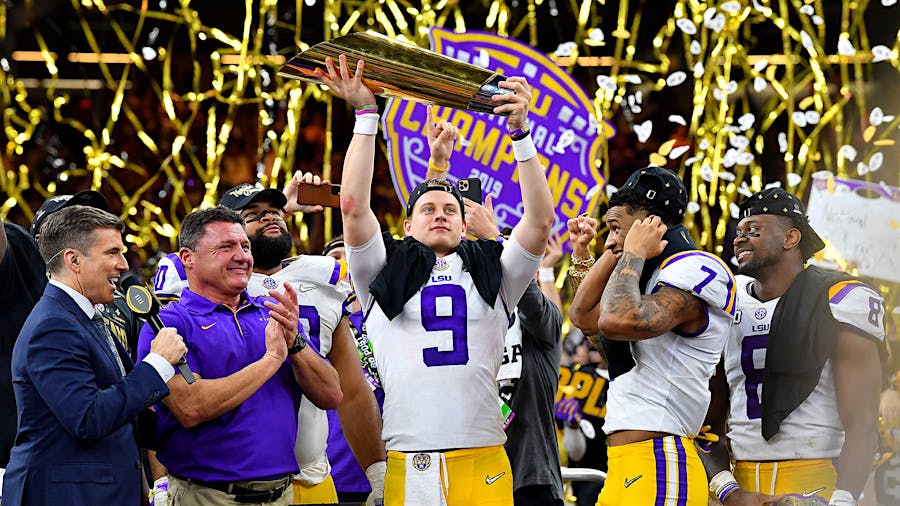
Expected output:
{"points": [[182, 493]]}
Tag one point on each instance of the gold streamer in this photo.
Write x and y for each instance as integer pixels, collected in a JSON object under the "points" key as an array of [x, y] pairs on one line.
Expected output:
{"points": [[179, 164]]}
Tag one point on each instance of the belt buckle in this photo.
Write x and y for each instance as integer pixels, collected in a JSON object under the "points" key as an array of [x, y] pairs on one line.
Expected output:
{"points": [[260, 496]]}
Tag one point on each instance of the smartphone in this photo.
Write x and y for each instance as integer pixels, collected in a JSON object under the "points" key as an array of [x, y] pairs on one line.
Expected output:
{"points": [[327, 195], [470, 188]]}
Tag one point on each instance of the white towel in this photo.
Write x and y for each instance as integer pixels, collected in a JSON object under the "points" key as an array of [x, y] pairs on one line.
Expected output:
{"points": [[423, 479]]}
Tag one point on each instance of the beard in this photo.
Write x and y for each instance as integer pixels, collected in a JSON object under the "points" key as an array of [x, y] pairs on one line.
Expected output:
{"points": [[268, 252]]}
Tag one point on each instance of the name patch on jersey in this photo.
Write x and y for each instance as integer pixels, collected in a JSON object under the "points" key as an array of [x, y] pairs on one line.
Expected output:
{"points": [[441, 278]]}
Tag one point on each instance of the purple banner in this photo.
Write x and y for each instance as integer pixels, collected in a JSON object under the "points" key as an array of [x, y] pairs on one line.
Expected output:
{"points": [[567, 135]]}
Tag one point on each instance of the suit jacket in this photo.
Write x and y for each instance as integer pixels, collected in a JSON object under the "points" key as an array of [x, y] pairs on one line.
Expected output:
{"points": [[75, 443]]}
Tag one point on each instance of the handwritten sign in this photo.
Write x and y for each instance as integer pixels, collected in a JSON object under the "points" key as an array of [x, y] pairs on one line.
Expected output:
{"points": [[860, 220], [567, 135]]}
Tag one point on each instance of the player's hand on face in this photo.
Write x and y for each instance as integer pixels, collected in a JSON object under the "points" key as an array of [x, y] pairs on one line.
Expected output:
{"points": [[442, 137], [285, 313], [345, 84], [293, 187], [480, 219], [741, 497], [554, 252], [644, 239], [515, 105]]}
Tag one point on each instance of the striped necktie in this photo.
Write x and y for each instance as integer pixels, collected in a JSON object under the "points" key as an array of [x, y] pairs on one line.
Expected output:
{"points": [[104, 330]]}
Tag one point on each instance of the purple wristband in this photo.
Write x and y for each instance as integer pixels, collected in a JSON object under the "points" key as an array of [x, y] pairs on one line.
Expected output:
{"points": [[731, 487]]}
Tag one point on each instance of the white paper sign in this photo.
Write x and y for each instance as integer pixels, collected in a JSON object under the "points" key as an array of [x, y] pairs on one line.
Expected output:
{"points": [[861, 220]]}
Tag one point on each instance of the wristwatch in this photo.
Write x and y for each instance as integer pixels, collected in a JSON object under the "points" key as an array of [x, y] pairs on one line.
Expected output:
{"points": [[299, 344]]}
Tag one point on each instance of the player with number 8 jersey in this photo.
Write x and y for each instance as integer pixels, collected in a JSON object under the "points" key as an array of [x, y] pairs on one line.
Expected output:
{"points": [[801, 368], [813, 430]]}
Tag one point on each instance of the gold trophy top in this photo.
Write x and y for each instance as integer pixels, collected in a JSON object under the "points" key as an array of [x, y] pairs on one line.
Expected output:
{"points": [[398, 69]]}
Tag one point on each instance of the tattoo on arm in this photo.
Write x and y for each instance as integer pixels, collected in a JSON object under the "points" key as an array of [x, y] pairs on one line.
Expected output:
{"points": [[662, 311]]}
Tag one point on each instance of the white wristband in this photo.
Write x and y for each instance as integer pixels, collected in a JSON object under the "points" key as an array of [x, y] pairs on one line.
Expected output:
{"points": [[545, 274], [366, 124], [375, 474], [524, 149], [721, 479], [842, 498]]}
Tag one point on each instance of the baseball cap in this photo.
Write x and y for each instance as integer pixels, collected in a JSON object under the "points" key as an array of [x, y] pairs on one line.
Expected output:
{"points": [[88, 198], [780, 202], [434, 185], [244, 194], [661, 186]]}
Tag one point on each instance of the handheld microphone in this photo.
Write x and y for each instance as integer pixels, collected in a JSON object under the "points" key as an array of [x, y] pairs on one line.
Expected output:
{"points": [[144, 304]]}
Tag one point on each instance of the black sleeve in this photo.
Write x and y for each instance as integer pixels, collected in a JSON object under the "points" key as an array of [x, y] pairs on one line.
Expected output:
{"points": [[539, 316]]}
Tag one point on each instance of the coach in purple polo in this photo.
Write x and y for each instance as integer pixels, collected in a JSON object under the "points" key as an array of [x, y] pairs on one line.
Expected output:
{"points": [[229, 437]]}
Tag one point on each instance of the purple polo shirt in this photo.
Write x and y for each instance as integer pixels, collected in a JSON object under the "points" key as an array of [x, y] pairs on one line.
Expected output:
{"points": [[254, 440]]}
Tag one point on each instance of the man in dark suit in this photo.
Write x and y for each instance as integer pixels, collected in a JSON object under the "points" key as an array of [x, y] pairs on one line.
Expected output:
{"points": [[76, 388]]}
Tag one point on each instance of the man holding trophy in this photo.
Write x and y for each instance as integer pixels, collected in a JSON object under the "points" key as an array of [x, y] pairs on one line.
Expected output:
{"points": [[438, 309]]}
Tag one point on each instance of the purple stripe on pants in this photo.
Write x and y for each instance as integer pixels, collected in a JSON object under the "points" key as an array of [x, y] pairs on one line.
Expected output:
{"points": [[682, 473], [660, 455]]}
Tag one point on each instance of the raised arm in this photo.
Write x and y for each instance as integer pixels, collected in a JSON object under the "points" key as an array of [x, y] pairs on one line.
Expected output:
{"points": [[360, 223], [533, 230], [442, 138]]}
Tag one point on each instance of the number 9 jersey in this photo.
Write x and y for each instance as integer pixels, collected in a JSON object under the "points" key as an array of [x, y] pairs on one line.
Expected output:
{"points": [[668, 388], [813, 430]]}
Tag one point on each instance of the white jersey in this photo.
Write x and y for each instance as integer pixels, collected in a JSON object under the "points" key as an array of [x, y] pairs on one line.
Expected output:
{"points": [[170, 278], [322, 287], [813, 430], [439, 358], [668, 388]]}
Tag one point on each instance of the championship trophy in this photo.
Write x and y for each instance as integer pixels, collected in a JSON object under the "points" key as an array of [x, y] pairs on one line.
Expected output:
{"points": [[402, 70]]}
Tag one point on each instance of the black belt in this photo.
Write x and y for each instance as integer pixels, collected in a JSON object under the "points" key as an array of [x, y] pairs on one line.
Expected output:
{"points": [[242, 494]]}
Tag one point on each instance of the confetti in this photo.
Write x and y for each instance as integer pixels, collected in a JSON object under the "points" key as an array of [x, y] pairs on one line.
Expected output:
{"points": [[686, 25], [676, 78], [880, 53], [845, 48], [676, 152], [643, 130], [674, 118], [848, 152]]}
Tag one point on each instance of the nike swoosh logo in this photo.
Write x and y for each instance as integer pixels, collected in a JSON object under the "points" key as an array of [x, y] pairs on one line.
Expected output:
{"points": [[207, 327], [491, 479], [630, 482], [814, 492], [302, 288]]}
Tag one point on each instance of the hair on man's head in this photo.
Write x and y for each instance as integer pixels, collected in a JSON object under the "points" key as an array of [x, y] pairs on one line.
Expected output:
{"points": [[194, 224]]}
